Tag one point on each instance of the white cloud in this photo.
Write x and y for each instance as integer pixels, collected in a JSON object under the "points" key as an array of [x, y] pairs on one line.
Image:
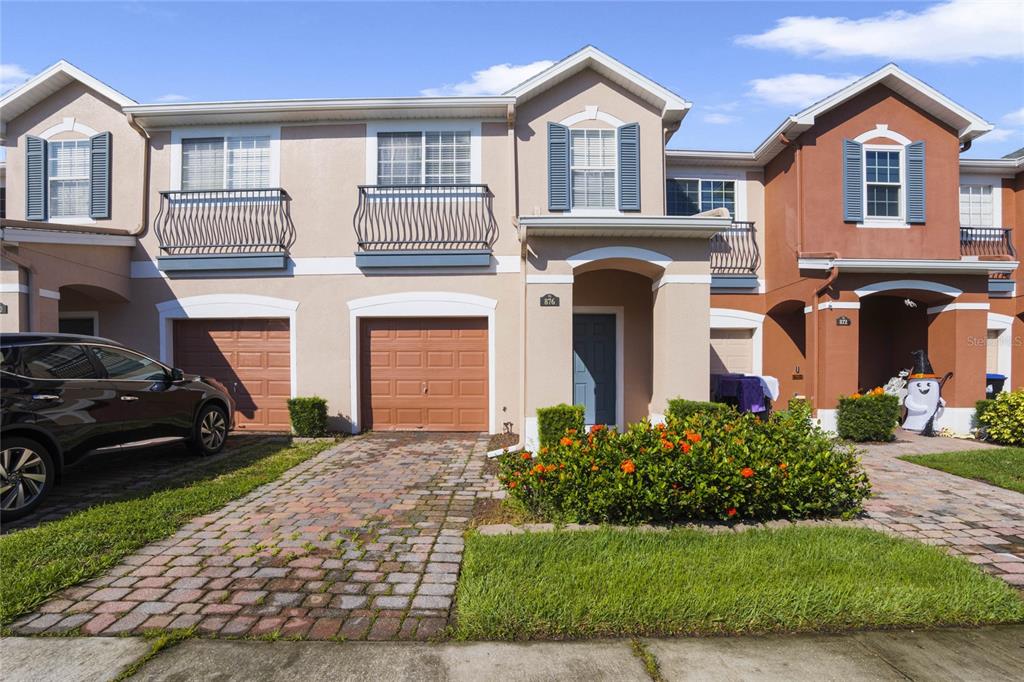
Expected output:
{"points": [[952, 31], [172, 98], [493, 80], [1015, 117], [798, 89], [11, 76], [720, 119], [1000, 135]]}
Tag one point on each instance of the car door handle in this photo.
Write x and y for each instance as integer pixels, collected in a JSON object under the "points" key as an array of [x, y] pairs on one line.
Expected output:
{"points": [[129, 397], [45, 396]]}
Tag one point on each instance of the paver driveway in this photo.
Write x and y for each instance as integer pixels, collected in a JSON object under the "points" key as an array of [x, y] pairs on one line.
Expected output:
{"points": [[983, 522], [362, 541]]}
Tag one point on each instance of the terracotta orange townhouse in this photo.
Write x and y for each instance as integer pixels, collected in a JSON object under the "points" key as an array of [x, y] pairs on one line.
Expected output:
{"points": [[455, 263]]}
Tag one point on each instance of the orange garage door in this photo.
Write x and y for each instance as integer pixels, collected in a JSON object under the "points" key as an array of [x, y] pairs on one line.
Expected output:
{"points": [[250, 357], [424, 374]]}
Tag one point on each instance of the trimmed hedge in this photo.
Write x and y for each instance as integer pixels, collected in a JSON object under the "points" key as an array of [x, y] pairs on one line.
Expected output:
{"points": [[680, 408], [711, 465], [1003, 418], [309, 416], [870, 417], [553, 422]]}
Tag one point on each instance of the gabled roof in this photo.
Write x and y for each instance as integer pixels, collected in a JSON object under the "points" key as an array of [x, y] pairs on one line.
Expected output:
{"points": [[50, 80], [673, 107], [967, 124]]}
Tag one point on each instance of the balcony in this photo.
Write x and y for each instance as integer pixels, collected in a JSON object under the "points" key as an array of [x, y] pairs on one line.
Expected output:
{"points": [[231, 229], [987, 242], [424, 226], [735, 257]]}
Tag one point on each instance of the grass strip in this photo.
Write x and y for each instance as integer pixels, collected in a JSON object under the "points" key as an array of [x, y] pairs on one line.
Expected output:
{"points": [[1003, 467], [37, 562], [158, 641], [633, 583]]}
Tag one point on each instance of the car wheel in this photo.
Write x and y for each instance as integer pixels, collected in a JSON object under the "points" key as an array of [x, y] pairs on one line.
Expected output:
{"points": [[211, 430], [26, 476]]}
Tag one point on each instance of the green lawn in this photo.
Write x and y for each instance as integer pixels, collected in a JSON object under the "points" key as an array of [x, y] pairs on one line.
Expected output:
{"points": [[607, 583], [37, 562], [1003, 467]]}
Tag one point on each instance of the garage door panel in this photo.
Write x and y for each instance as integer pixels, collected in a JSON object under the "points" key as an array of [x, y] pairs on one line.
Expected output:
{"points": [[732, 351], [431, 352], [252, 354]]}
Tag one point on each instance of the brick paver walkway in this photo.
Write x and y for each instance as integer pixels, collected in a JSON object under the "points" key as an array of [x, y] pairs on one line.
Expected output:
{"points": [[363, 541], [983, 522]]}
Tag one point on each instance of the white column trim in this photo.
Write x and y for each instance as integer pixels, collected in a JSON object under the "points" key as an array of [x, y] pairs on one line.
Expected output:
{"points": [[13, 288], [228, 306], [421, 304], [50, 293], [934, 310], [680, 279], [620, 354], [1004, 350], [550, 279], [627, 252]]}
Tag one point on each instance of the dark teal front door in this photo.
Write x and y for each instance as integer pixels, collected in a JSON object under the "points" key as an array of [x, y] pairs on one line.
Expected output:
{"points": [[593, 366]]}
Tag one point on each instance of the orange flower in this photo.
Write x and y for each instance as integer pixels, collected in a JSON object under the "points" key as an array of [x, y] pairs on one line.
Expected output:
{"points": [[666, 445], [783, 465], [684, 446], [731, 511], [593, 467], [512, 484], [549, 468], [570, 430], [544, 450], [566, 441], [660, 426], [746, 472], [527, 455], [596, 427], [628, 466], [693, 437], [856, 395]]}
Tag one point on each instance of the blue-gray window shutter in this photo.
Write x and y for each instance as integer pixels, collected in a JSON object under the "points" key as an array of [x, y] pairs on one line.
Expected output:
{"points": [[629, 167], [558, 167], [853, 181], [99, 176], [915, 182], [35, 178]]}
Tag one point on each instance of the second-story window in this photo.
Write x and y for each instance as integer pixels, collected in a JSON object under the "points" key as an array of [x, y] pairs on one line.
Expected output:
{"points": [[239, 162], [686, 196], [592, 161], [68, 178], [433, 157], [882, 183], [976, 206]]}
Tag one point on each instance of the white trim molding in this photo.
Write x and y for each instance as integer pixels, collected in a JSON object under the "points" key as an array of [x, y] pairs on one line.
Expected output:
{"points": [[13, 288], [50, 293], [908, 265], [620, 355], [15, 235], [68, 125], [1004, 345], [680, 279], [731, 318], [425, 126], [421, 304], [882, 130], [912, 284], [624, 252], [592, 113], [228, 306], [271, 131], [550, 279], [950, 307], [839, 305]]}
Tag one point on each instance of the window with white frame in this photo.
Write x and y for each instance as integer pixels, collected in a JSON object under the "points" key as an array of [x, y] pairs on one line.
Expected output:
{"points": [[433, 157], [976, 206], [690, 196], [68, 178], [883, 185], [593, 165], [236, 162]]}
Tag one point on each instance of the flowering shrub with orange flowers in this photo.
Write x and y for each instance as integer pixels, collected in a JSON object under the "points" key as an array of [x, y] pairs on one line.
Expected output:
{"points": [[718, 465], [873, 415]]}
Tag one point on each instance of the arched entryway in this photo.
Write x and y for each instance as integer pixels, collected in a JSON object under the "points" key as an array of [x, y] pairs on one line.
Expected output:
{"points": [[82, 308]]}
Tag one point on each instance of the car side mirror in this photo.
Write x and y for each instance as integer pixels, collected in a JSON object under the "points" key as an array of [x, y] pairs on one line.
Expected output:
{"points": [[177, 375]]}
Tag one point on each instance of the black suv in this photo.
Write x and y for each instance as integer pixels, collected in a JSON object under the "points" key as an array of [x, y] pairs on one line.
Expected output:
{"points": [[64, 396]]}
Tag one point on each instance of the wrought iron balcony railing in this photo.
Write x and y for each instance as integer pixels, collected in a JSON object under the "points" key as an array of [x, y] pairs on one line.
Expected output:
{"points": [[425, 218], [734, 251], [986, 241], [224, 222]]}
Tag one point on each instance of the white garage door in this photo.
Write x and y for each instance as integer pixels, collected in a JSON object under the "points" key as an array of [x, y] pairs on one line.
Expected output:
{"points": [[732, 351], [992, 352]]}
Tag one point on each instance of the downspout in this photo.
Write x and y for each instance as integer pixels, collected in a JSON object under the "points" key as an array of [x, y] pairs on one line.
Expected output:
{"points": [[144, 218], [815, 302]]}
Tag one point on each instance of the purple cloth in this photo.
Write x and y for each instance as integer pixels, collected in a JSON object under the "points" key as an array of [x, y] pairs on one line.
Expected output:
{"points": [[747, 392]]}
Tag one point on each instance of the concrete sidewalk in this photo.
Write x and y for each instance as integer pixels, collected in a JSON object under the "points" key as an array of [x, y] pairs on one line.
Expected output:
{"points": [[989, 654]]}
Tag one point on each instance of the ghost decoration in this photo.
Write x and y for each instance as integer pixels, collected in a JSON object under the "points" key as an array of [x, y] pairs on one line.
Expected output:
{"points": [[923, 401]]}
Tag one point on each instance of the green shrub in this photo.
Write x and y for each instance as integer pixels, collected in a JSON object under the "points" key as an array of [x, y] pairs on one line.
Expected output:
{"points": [[553, 422], [680, 408], [980, 408], [711, 465], [1003, 418], [309, 416], [873, 416]]}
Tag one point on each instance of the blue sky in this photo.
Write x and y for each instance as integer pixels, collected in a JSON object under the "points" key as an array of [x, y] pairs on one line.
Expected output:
{"points": [[744, 65]]}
